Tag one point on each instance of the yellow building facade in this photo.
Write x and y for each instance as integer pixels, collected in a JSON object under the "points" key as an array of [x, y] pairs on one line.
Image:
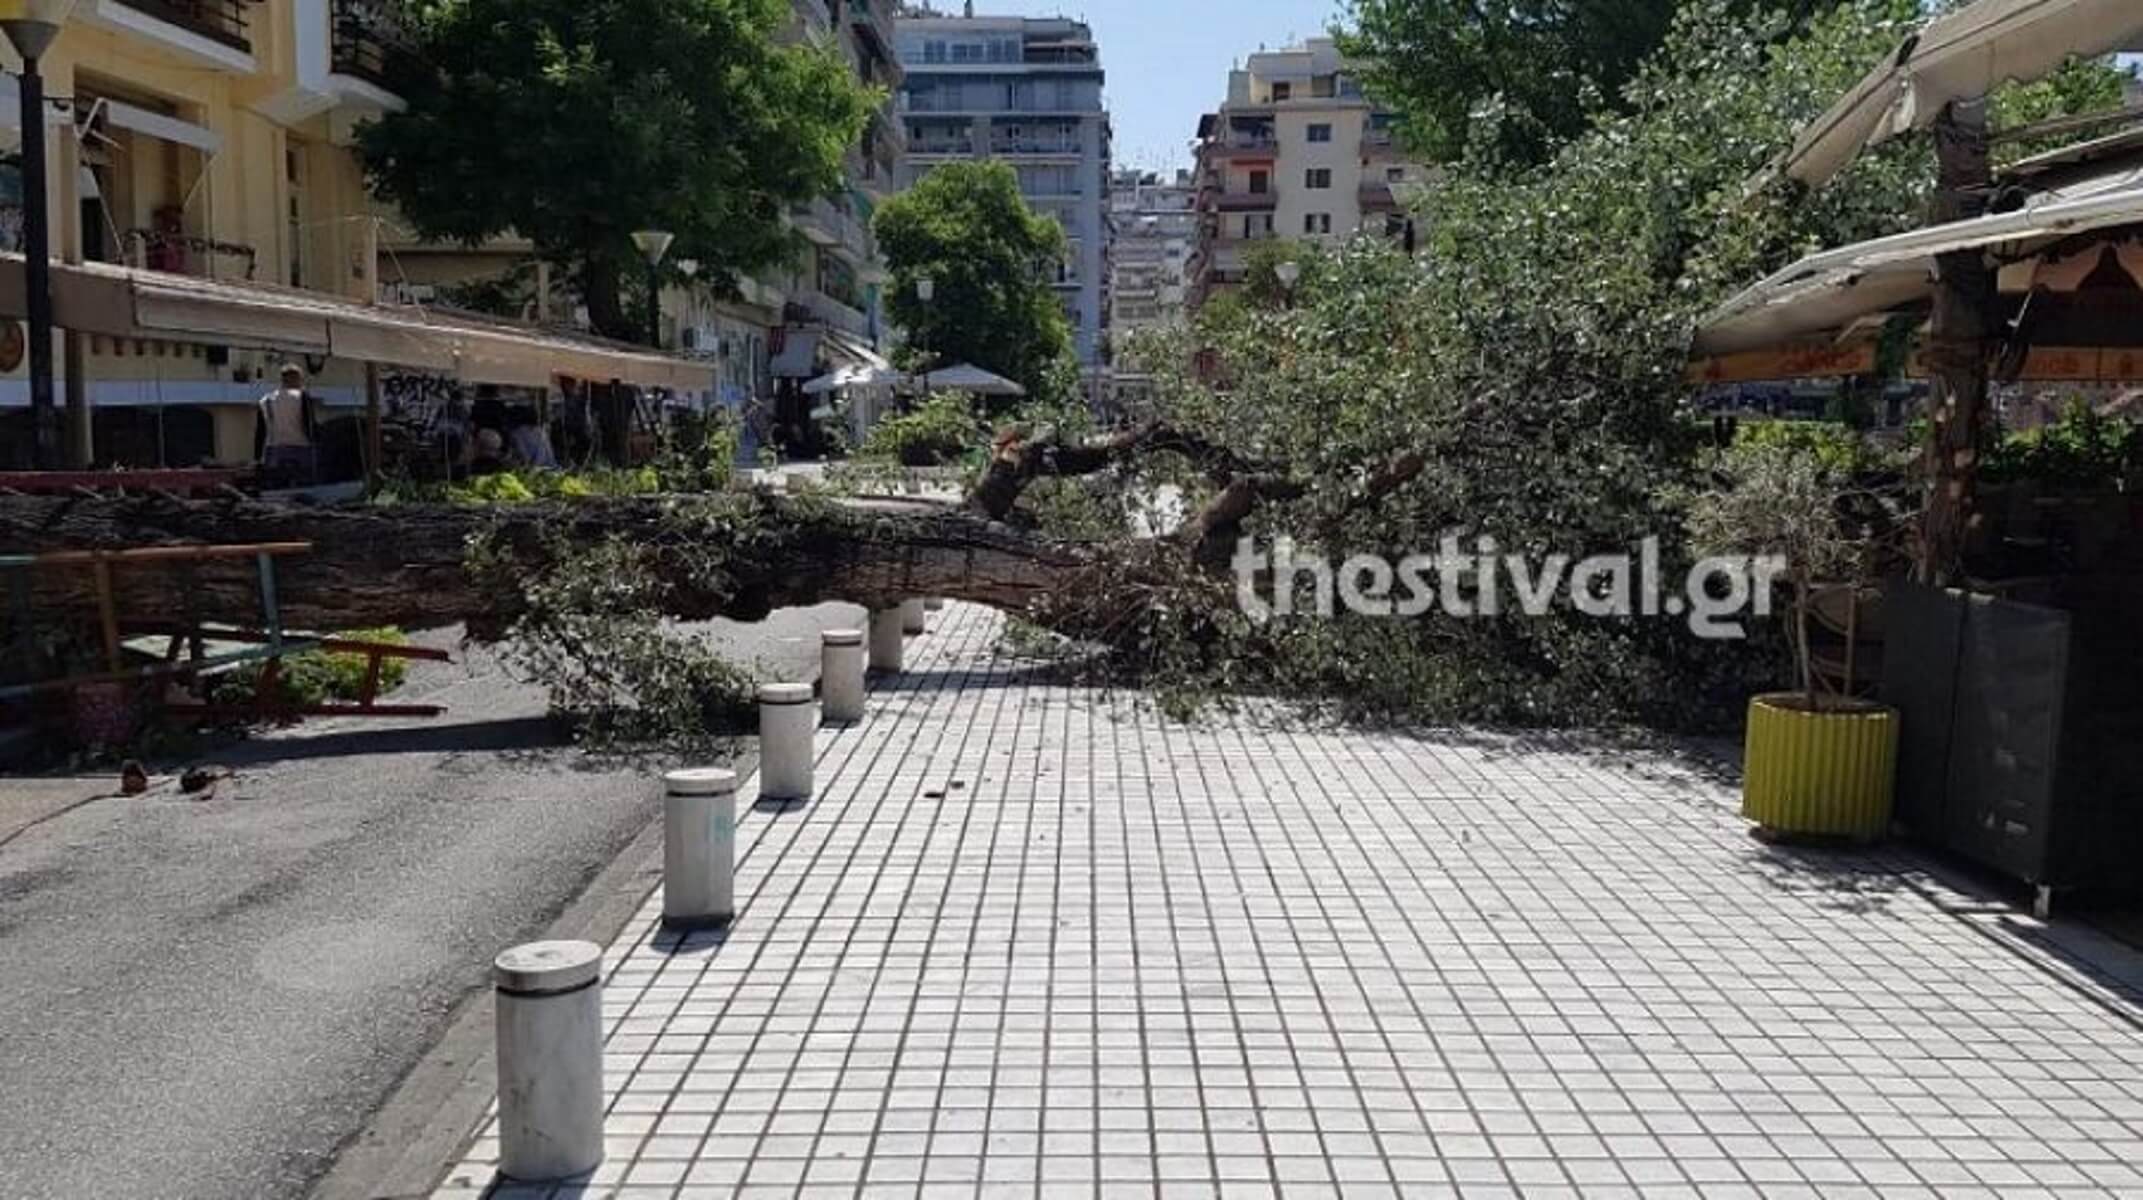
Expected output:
{"points": [[204, 138]]}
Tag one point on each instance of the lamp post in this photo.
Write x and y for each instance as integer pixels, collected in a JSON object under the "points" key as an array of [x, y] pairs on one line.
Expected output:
{"points": [[32, 25], [1288, 272], [926, 289], [652, 245]]}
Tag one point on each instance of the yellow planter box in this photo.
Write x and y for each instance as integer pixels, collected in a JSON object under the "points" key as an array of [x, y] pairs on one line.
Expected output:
{"points": [[1828, 771]]}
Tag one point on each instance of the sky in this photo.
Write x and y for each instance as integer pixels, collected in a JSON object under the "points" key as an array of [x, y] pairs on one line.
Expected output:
{"points": [[1168, 60]]}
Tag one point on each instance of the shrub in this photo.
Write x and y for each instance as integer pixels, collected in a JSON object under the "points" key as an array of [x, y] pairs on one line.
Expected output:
{"points": [[942, 429], [2082, 451], [317, 676]]}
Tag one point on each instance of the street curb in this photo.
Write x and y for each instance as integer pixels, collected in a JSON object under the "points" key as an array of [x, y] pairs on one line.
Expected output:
{"points": [[426, 1123]]}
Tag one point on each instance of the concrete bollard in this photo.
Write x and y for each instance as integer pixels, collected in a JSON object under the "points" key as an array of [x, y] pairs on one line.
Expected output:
{"points": [[787, 719], [914, 618], [699, 848], [841, 676], [886, 649], [550, 1049], [934, 604]]}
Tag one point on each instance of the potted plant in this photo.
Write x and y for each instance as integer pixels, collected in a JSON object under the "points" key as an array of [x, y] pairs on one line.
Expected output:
{"points": [[1818, 761]]}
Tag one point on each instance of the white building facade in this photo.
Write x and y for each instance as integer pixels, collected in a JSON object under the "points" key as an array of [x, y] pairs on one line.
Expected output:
{"points": [[1297, 151], [1027, 91]]}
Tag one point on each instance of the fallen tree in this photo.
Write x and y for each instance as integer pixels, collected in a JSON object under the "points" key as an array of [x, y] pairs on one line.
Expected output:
{"points": [[423, 566]]}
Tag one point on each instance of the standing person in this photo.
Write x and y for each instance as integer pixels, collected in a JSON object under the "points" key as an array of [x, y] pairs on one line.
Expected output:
{"points": [[526, 441], [286, 436]]}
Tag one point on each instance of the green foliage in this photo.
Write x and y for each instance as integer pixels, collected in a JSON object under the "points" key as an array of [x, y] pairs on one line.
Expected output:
{"points": [[2083, 451], [574, 122], [1834, 448], [990, 259], [942, 429], [317, 676], [591, 625], [2085, 86], [1533, 355], [696, 454], [1511, 81]]}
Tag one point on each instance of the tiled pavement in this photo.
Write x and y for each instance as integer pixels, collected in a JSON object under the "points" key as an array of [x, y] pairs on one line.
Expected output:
{"points": [[1031, 940]]}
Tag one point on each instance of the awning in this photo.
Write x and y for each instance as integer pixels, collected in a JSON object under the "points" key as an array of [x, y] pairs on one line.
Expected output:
{"points": [[117, 301], [1830, 292], [840, 345], [1965, 54], [852, 376]]}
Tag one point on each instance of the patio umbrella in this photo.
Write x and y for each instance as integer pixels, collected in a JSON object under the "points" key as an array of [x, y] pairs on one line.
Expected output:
{"points": [[970, 378]]}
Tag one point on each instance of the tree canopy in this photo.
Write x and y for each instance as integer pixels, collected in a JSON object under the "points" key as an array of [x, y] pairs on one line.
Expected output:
{"points": [[1516, 78], [574, 122], [990, 259]]}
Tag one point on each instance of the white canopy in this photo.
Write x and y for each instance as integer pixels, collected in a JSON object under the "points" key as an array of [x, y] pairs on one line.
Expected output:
{"points": [[968, 377], [1967, 53], [1828, 293]]}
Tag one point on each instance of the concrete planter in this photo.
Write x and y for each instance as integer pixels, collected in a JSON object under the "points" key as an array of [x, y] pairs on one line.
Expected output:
{"points": [[1830, 770]]}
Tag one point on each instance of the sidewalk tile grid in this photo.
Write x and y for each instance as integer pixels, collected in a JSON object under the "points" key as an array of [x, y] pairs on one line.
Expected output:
{"points": [[1036, 941]]}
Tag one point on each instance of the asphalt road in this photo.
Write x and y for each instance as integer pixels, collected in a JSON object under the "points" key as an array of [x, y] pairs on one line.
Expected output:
{"points": [[206, 997]]}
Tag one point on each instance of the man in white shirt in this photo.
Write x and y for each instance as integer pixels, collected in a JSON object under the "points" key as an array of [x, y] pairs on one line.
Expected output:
{"points": [[287, 433]]}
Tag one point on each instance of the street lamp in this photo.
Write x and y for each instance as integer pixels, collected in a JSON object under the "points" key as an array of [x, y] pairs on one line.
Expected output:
{"points": [[32, 25], [652, 245], [925, 288]]}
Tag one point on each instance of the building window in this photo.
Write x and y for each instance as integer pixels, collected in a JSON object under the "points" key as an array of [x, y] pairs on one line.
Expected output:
{"points": [[1283, 91], [1395, 174], [1260, 182], [1318, 222], [1317, 179], [1321, 132]]}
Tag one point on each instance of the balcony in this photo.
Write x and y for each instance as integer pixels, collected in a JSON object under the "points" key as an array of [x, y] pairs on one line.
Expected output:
{"points": [[833, 226], [184, 254], [225, 22], [873, 22], [1247, 147], [1035, 145], [1247, 201], [369, 41], [817, 307]]}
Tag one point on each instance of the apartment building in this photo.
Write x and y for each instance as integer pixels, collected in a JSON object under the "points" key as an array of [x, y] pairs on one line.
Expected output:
{"points": [[210, 222], [204, 139], [1153, 227], [1026, 90], [1296, 151]]}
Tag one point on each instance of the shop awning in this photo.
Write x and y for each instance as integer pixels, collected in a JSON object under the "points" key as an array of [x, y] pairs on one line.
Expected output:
{"points": [[1832, 292], [99, 298], [1967, 53], [852, 377], [842, 346]]}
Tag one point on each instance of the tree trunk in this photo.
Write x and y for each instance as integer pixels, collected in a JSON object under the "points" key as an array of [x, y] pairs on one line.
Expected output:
{"points": [[405, 564], [1958, 344], [602, 290]]}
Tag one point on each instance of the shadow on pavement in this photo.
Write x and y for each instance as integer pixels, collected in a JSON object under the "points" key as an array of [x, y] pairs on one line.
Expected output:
{"points": [[538, 733]]}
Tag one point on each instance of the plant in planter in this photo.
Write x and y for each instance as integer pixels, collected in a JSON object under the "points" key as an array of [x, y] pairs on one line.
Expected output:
{"points": [[1818, 760]]}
